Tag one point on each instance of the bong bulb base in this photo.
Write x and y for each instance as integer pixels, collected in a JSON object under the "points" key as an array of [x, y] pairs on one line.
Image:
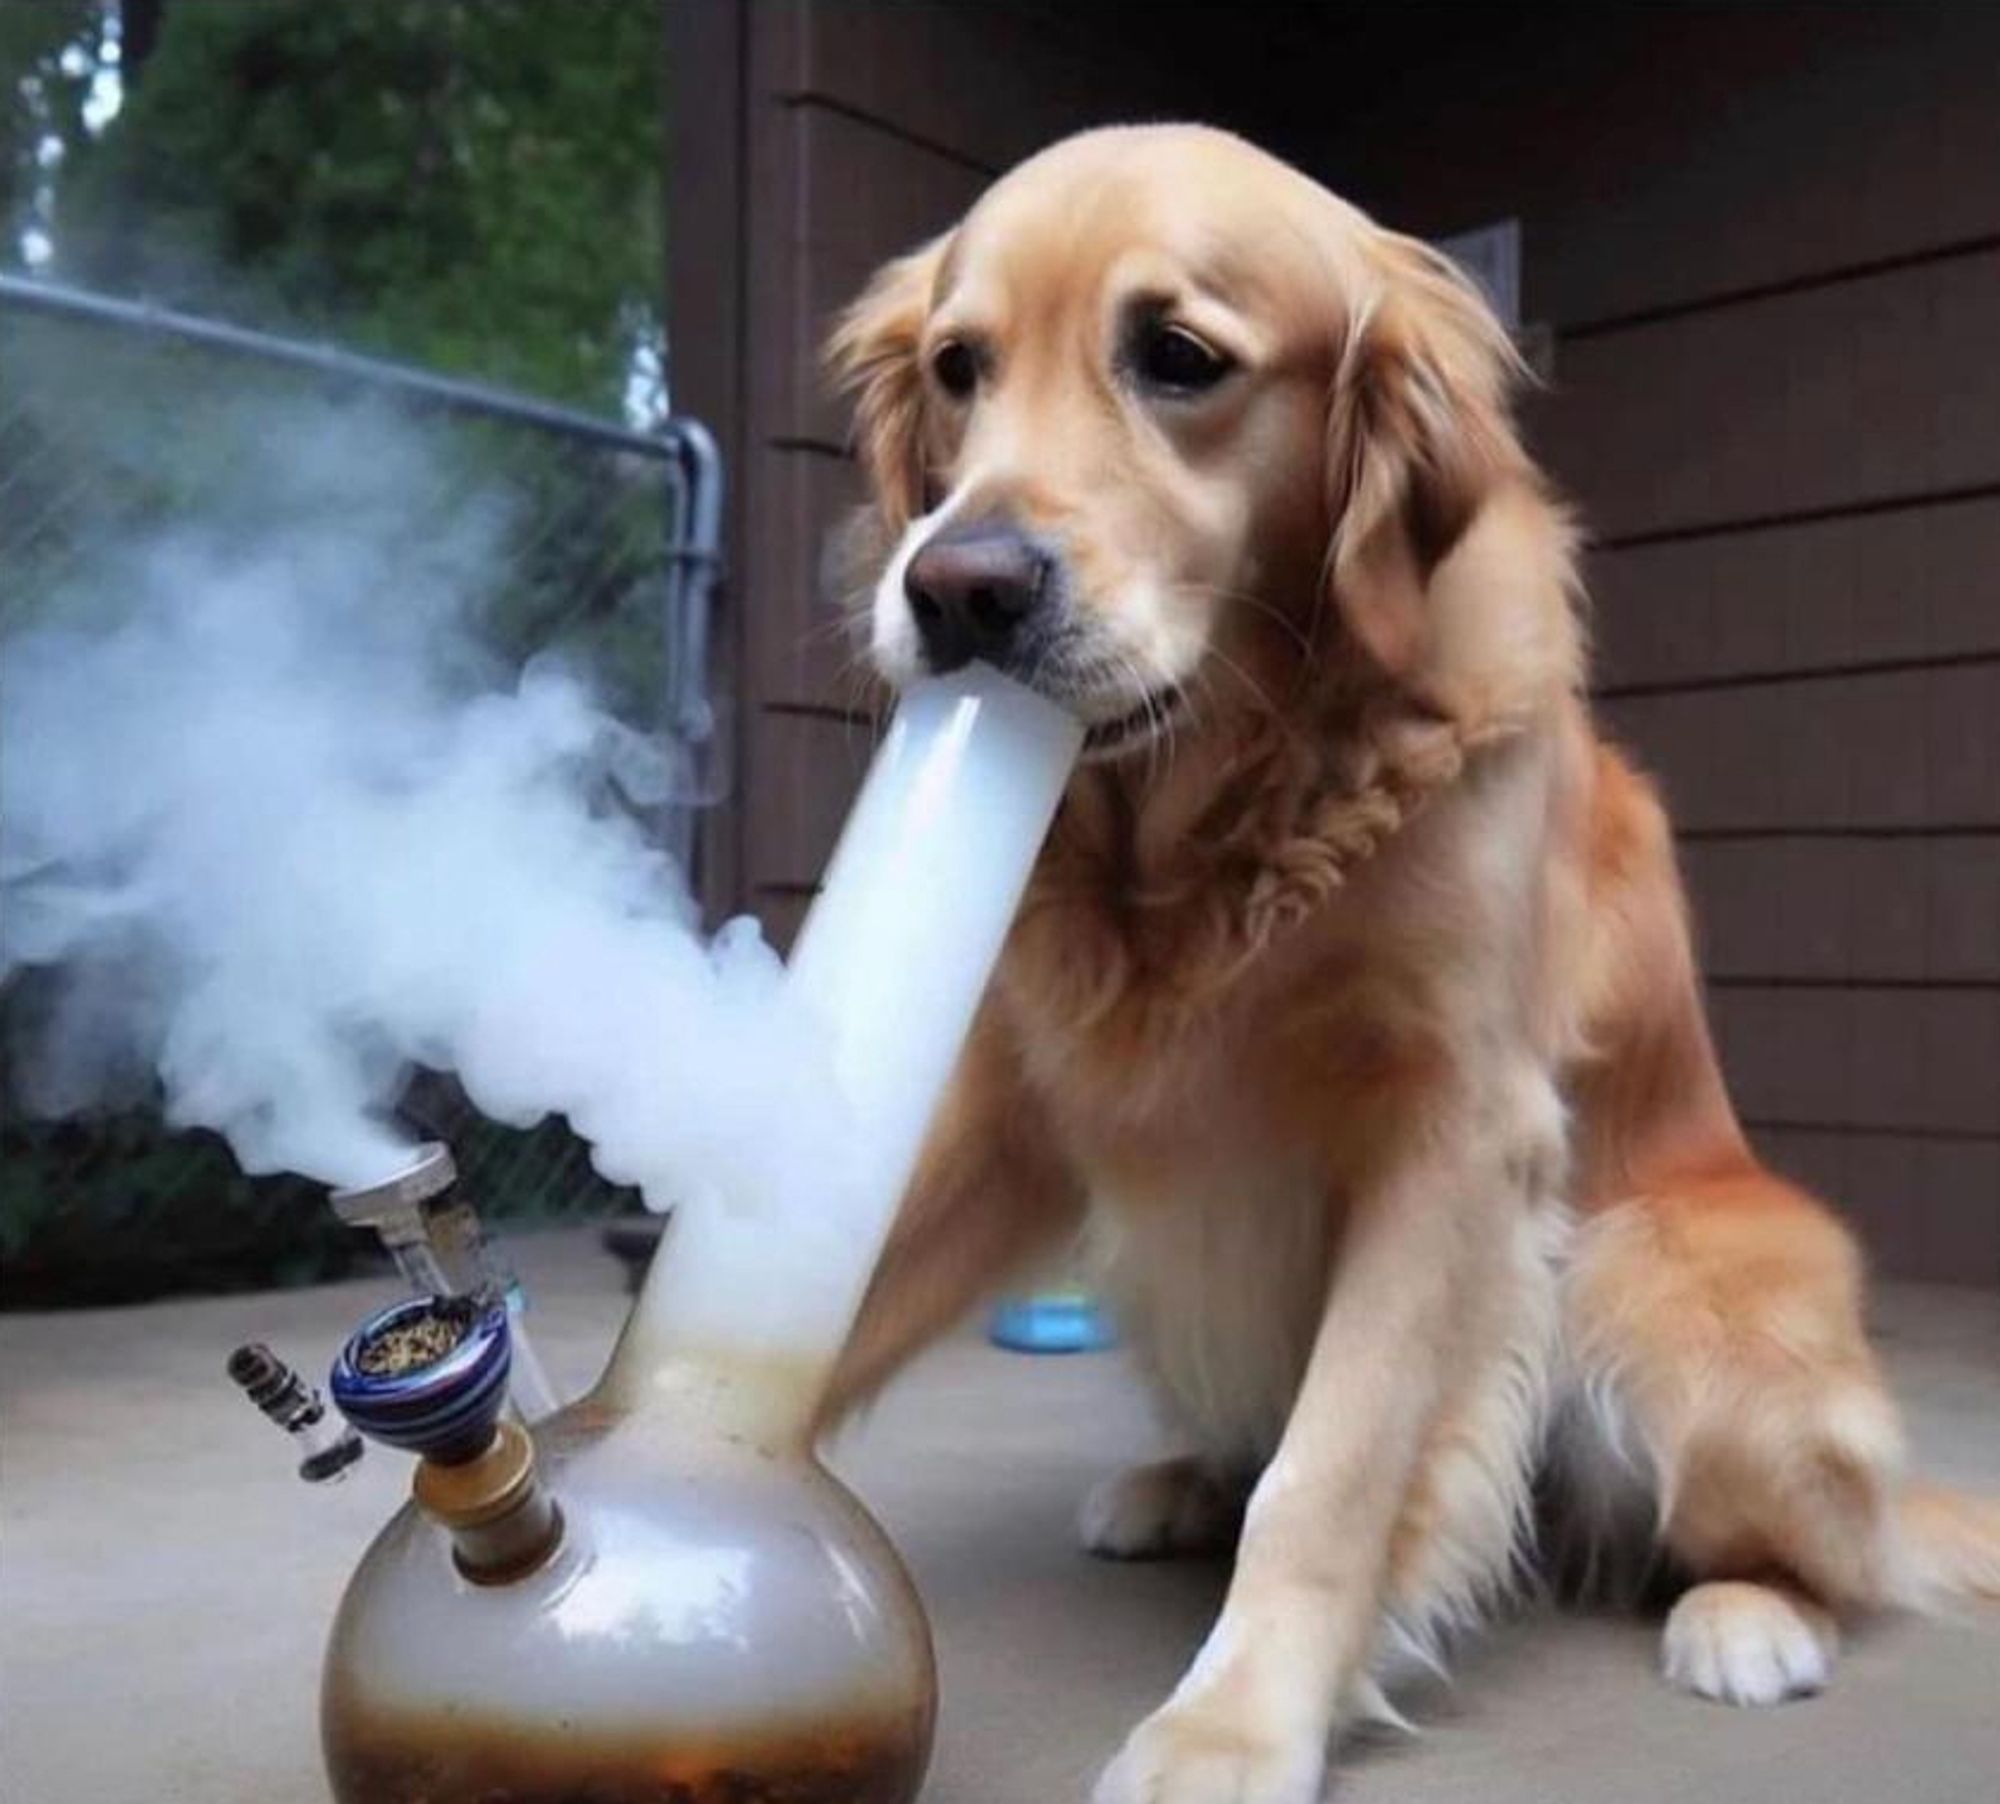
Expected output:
{"points": [[716, 1625]]}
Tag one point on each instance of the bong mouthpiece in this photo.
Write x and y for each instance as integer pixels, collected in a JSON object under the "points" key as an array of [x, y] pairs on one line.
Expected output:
{"points": [[399, 1209], [293, 1404]]}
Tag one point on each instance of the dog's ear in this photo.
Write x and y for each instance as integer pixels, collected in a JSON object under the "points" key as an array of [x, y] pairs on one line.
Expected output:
{"points": [[872, 355], [1420, 437]]}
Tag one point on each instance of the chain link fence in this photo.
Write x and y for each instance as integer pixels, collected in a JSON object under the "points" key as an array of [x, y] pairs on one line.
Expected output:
{"points": [[118, 421]]}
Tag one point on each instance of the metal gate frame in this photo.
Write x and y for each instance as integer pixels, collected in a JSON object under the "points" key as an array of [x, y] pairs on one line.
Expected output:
{"points": [[684, 447]]}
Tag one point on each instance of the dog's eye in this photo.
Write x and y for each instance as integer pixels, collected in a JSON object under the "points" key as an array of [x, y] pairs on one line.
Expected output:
{"points": [[1172, 359], [955, 364]]}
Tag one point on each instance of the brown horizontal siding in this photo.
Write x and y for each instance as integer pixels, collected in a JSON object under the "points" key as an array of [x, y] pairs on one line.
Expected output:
{"points": [[1927, 1208], [1722, 196], [706, 51], [983, 85], [1883, 387], [1920, 583], [805, 648], [781, 910], [1848, 909], [831, 194], [1905, 749], [1863, 1056], [803, 772], [989, 84], [1728, 148], [855, 196]]}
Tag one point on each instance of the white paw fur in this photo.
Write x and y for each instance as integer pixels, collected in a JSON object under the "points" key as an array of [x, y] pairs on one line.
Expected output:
{"points": [[1748, 1644], [1176, 1757], [1157, 1512]]}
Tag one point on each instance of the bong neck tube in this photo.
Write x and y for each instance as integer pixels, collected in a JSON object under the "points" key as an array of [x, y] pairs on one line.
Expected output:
{"points": [[742, 1315]]}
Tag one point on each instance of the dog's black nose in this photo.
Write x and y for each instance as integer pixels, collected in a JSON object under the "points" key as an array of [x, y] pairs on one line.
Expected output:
{"points": [[974, 589]]}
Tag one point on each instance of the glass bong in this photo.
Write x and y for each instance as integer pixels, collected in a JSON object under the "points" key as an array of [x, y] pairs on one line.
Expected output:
{"points": [[657, 1595]]}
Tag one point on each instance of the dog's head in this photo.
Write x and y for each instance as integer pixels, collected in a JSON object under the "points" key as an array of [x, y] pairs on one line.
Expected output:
{"points": [[1163, 423]]}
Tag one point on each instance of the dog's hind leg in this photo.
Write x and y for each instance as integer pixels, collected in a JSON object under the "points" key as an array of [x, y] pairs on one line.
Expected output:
{"points": [[1721, 1321], [1713, 1312], [1743, 1642]]}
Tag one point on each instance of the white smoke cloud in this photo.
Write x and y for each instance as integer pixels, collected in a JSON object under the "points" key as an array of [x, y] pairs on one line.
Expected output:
{"points": [[280, 827]]}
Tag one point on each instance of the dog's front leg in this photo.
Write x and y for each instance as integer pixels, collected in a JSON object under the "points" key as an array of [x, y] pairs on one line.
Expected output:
{"points": [[1402, 1329]]}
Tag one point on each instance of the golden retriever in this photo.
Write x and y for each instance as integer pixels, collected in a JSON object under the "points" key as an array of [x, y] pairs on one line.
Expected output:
{"points": [[1352, 1007]]}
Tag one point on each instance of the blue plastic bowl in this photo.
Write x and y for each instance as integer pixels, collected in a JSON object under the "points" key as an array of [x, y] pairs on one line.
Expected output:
{"points": [[1059, 1322]]}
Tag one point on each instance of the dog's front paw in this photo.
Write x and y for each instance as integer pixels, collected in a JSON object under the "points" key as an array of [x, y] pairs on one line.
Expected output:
{"points": [[1159, 1512], [1748, 1644], [1182, 1756]]}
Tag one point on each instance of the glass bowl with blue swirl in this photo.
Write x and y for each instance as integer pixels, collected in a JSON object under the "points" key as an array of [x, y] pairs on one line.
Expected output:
{"points": [[440, 1405]]}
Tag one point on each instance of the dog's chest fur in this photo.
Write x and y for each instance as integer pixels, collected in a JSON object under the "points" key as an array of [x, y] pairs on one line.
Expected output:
{"points": [[1214, 1208], [1217, 1282], [1220, 1141]]}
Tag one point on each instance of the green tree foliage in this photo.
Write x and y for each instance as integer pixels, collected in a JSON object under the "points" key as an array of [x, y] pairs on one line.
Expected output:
{"points": [[470, 184]]}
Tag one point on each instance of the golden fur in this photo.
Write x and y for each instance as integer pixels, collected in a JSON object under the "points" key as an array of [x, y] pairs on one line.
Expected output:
{"points": [[1352, 1011]]}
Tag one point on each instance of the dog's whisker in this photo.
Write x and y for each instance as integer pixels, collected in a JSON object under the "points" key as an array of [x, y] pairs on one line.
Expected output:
{"points": [[841, 625], [1244, 598], [1257, 690]]}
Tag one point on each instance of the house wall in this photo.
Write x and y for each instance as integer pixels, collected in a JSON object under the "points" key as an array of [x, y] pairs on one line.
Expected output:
{"points": [[1766, 244]]}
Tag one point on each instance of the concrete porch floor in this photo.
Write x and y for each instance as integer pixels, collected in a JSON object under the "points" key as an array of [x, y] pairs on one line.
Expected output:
{"points": [[165, 1582]]}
